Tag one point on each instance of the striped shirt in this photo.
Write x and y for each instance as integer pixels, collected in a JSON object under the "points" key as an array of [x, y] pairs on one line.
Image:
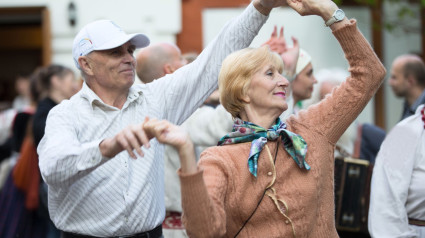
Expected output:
{"points": [[97, 196]]}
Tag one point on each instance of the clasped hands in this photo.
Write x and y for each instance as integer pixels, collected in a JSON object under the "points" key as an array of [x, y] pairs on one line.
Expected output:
{"points": [[133, 137], [322, 8]]}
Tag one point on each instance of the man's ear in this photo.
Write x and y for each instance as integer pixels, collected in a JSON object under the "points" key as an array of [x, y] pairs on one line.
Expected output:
{"points": [[168, 69], [411, 80], [86, 65]]}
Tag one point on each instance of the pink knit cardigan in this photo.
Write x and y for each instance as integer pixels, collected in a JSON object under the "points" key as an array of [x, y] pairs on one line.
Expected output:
{"points": [[220, 197]]}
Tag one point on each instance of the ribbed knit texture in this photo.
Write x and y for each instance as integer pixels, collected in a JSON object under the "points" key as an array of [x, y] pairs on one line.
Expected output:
{"points": [[221, 196]]}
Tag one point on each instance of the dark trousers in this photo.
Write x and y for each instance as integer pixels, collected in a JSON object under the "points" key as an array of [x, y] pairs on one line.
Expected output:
{"points": [[154, 233]]}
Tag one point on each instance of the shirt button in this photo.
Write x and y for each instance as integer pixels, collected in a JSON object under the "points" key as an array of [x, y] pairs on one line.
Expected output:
{"points": [[269, 173]]}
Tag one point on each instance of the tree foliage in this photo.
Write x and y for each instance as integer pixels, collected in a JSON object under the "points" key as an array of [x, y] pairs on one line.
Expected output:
{"points": [[406, 11]]}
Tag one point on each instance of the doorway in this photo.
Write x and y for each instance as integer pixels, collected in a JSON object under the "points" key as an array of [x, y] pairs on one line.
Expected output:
{"points": [[25, 44]]}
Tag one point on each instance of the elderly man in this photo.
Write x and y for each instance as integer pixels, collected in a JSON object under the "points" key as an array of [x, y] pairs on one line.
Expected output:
{"points": [[90, 154], [408, 82]]}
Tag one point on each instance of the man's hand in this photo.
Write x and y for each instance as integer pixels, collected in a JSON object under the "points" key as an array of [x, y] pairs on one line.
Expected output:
{"points": [[322, 8], [272, 3], [131, 138], [265, 6]]}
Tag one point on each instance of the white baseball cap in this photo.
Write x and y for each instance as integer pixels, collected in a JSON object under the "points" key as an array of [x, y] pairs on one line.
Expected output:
{"points": [[103, 35], [303, 59]]}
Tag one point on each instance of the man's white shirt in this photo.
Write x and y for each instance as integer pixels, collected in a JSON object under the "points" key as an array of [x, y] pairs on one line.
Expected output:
{"points": [[97, 196]]}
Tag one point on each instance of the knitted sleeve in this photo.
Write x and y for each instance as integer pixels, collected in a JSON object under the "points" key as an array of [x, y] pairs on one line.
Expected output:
{"points": [[332, 116], [203, 195]]}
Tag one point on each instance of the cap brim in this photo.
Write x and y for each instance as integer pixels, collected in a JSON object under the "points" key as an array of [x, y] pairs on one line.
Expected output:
{"points": [[138, 40]]}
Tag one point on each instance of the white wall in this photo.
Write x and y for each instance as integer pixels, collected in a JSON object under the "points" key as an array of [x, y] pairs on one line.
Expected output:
{"points": [[160, 20], [313, 36]]}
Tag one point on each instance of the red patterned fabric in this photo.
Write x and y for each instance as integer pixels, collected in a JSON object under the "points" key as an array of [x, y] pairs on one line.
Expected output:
{"points": [[173, 220]]}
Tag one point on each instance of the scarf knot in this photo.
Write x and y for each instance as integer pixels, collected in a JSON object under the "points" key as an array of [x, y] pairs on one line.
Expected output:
{"points": [[244, 131]]}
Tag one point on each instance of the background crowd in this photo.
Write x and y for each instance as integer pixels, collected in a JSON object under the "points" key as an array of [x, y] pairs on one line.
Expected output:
{"points": [[395, 160]]}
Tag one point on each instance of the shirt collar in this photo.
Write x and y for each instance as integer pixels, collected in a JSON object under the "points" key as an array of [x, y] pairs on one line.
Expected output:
{"points": [[134, 93], [418, 110]]}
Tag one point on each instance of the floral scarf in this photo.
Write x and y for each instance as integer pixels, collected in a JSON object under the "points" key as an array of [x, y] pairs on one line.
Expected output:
{"points": [[244, 131]]}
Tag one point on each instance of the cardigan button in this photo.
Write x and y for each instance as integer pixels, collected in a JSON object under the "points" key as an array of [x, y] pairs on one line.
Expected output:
{"points": [[269, 173], [287, 222]]}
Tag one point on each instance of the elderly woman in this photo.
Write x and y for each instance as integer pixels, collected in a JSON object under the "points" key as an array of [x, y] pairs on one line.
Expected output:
{"points": [[269, 178]]}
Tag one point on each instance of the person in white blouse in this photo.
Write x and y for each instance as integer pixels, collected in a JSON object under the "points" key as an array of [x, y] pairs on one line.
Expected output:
{"points": [[397, 201], [90, 153]]}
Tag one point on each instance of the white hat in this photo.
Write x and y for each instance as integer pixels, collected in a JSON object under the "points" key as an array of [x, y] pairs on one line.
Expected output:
{"points": [[303, 59], [103, 35]]}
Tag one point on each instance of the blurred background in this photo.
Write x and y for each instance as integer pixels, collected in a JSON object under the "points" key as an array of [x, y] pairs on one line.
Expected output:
{"points": [[40, 32]]}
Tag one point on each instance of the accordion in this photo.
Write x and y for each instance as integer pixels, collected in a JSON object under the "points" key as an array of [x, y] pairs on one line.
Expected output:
{"points": [[352, 191]]}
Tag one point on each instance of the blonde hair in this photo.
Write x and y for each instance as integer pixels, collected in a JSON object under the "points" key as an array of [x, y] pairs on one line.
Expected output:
{"points": [[237, 71]]}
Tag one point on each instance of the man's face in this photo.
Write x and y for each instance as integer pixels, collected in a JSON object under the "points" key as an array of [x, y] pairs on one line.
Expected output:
{"points": [[398, 82], [114, 68]]}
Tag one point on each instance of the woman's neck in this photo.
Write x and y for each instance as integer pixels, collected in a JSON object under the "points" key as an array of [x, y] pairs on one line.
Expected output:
{"points": [[263, 120]]}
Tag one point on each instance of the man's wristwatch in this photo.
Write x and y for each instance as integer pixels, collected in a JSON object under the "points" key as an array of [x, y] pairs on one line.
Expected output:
{"points": [[336, 17]]}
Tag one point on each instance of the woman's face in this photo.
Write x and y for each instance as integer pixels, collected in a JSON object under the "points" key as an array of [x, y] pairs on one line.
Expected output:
{"points": [[267, 91], [68, 86], [302, 86]]}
